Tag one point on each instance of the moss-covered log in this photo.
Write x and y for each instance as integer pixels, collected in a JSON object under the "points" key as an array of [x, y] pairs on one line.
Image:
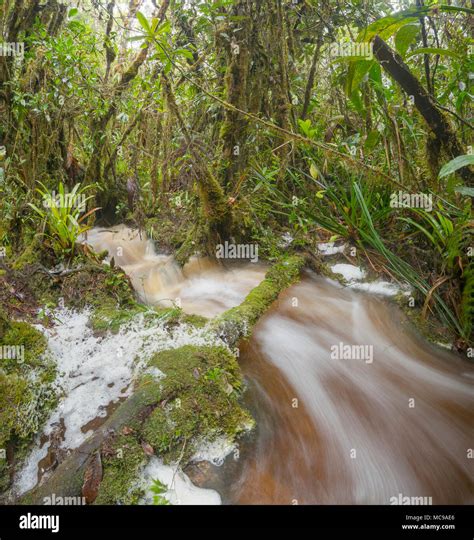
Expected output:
{"points": [[238, 322], [393, 64]]}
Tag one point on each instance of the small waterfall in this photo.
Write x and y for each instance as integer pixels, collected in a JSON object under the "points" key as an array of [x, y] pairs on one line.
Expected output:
{"points": [[202, 287]]}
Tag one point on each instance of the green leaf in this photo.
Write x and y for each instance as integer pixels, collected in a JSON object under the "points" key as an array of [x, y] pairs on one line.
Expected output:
{"points": [[405, 37], [305, 127], [433, 50], [184, 52], [143, 22], [454, 9], [465, 190], [72, 12], [314, 171], [165, 28], [387, 26], [455, 164], [357, 71]]}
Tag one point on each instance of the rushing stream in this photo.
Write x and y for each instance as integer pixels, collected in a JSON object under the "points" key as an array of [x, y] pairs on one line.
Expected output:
{"points": [[201, 287], [362, 432], [390, 419]]}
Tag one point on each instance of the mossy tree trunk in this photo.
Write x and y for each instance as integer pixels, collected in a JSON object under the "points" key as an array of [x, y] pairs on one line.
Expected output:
{"points": [[445, 137], [234, 128], [282, 86], [217, 213]]}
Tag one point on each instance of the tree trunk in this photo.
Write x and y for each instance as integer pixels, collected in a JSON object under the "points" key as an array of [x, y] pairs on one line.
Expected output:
{"points": [[234, 128], [393, 64], [311, 76]]}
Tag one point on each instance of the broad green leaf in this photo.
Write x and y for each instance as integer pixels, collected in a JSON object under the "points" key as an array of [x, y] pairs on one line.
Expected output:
{"points": [[387, 26], [455, 164], [357, 71], [143, 22], [184, 52], [405, 37], [165, 28]]}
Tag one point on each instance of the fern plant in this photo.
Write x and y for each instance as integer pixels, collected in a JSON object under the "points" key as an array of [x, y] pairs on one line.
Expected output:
{"points": [[447, 236]]}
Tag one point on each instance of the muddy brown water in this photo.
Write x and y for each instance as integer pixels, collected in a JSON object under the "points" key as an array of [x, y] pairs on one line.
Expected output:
{"points": [[348, 431], [330, 429]]}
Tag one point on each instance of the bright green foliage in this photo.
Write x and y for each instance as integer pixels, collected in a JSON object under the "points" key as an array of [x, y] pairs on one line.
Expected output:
{"points": [[62, 215]]}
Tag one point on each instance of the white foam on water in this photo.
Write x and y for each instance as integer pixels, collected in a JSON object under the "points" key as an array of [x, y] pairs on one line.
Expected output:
{"points": [[349, 272], [384, 288], [215, 451], [94, 372], [329, 248], [181, 491], [353, 275]]}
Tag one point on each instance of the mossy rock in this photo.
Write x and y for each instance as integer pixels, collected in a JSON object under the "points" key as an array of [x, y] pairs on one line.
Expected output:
{"points": [[23, 406], [198, 398]]}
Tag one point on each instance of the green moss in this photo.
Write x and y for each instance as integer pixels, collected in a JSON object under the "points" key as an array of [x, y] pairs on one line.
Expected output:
{"points": [[97, 286], [238, 321], [24, 406], [32, 342], [193, 242], [120, 464], [199, 399], [4, 324], [196, 320], [109, 316], [12, 389], [31, 254], [165, 233]]}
